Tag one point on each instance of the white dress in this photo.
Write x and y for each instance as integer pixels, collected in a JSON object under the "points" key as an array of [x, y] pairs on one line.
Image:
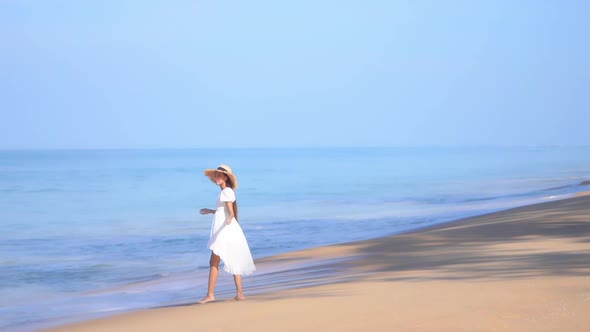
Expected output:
{"points": [[228, 241]]}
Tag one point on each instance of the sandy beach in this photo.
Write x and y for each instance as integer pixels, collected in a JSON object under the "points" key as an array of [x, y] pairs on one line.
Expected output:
{"points": [[524, 269]]}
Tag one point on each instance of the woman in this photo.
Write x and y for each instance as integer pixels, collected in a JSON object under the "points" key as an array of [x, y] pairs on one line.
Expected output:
{"points": [[227, 241]]}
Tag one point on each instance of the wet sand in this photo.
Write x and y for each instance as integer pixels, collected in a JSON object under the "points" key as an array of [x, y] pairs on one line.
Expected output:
{"points": [[524, 269]]}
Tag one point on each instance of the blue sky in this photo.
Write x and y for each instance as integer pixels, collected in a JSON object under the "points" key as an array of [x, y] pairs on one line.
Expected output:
{"points": [[159, 74]]}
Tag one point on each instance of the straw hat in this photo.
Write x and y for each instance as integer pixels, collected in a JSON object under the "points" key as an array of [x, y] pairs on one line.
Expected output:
{"points": [[225, 170]]}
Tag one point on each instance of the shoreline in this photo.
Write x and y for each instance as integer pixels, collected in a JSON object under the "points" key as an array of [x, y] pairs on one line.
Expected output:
{"points": [[297, 279], [103, 247]]}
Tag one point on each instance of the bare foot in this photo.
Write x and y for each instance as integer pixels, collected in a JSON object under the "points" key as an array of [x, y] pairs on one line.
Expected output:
{"points": [[207, 299], [239, 298]]}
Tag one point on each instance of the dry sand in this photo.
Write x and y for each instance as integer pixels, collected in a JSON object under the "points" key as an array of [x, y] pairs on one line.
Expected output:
{"points": [[525, 269]]}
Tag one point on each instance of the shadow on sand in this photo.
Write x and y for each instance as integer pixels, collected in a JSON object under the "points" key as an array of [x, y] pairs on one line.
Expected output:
{"points": [[547, 239]]}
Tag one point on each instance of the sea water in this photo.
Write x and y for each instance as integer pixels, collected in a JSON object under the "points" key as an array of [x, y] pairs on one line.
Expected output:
{"points": [[81, 229]]}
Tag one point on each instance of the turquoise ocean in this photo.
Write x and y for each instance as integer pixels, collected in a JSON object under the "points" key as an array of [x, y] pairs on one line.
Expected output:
{"points": [[89, 233]]}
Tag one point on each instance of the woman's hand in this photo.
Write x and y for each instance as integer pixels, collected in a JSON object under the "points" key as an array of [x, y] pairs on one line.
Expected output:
{"points": [[228, 221], [207, 211]]}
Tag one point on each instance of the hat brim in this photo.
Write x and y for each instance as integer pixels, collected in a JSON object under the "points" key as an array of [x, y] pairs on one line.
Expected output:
{"points": [[210, 173]]}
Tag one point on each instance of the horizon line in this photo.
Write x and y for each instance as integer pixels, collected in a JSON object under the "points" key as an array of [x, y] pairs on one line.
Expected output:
{"points": [[293, 147]]}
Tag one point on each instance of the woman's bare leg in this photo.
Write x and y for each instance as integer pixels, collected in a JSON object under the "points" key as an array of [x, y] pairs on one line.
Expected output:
{"points": [[239, 291], [213, 273]]}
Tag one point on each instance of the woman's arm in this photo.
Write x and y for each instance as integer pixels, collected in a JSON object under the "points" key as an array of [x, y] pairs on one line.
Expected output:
{"points": [[232, 214], [207, 211]]}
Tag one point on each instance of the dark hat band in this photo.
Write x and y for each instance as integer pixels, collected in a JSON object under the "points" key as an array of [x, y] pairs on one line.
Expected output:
{"points": [[222, 169]]}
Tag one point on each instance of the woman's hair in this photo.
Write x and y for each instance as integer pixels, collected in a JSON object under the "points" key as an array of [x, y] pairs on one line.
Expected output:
{"points": [[230, 184], [235, 203], [228, 181]]}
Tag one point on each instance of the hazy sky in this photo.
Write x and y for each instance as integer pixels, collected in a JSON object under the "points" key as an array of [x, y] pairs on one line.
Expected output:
{"points": [[153, 74]]}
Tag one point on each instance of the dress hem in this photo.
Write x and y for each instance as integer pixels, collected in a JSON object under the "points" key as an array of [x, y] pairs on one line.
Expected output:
{"points": [[230, 270]]}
